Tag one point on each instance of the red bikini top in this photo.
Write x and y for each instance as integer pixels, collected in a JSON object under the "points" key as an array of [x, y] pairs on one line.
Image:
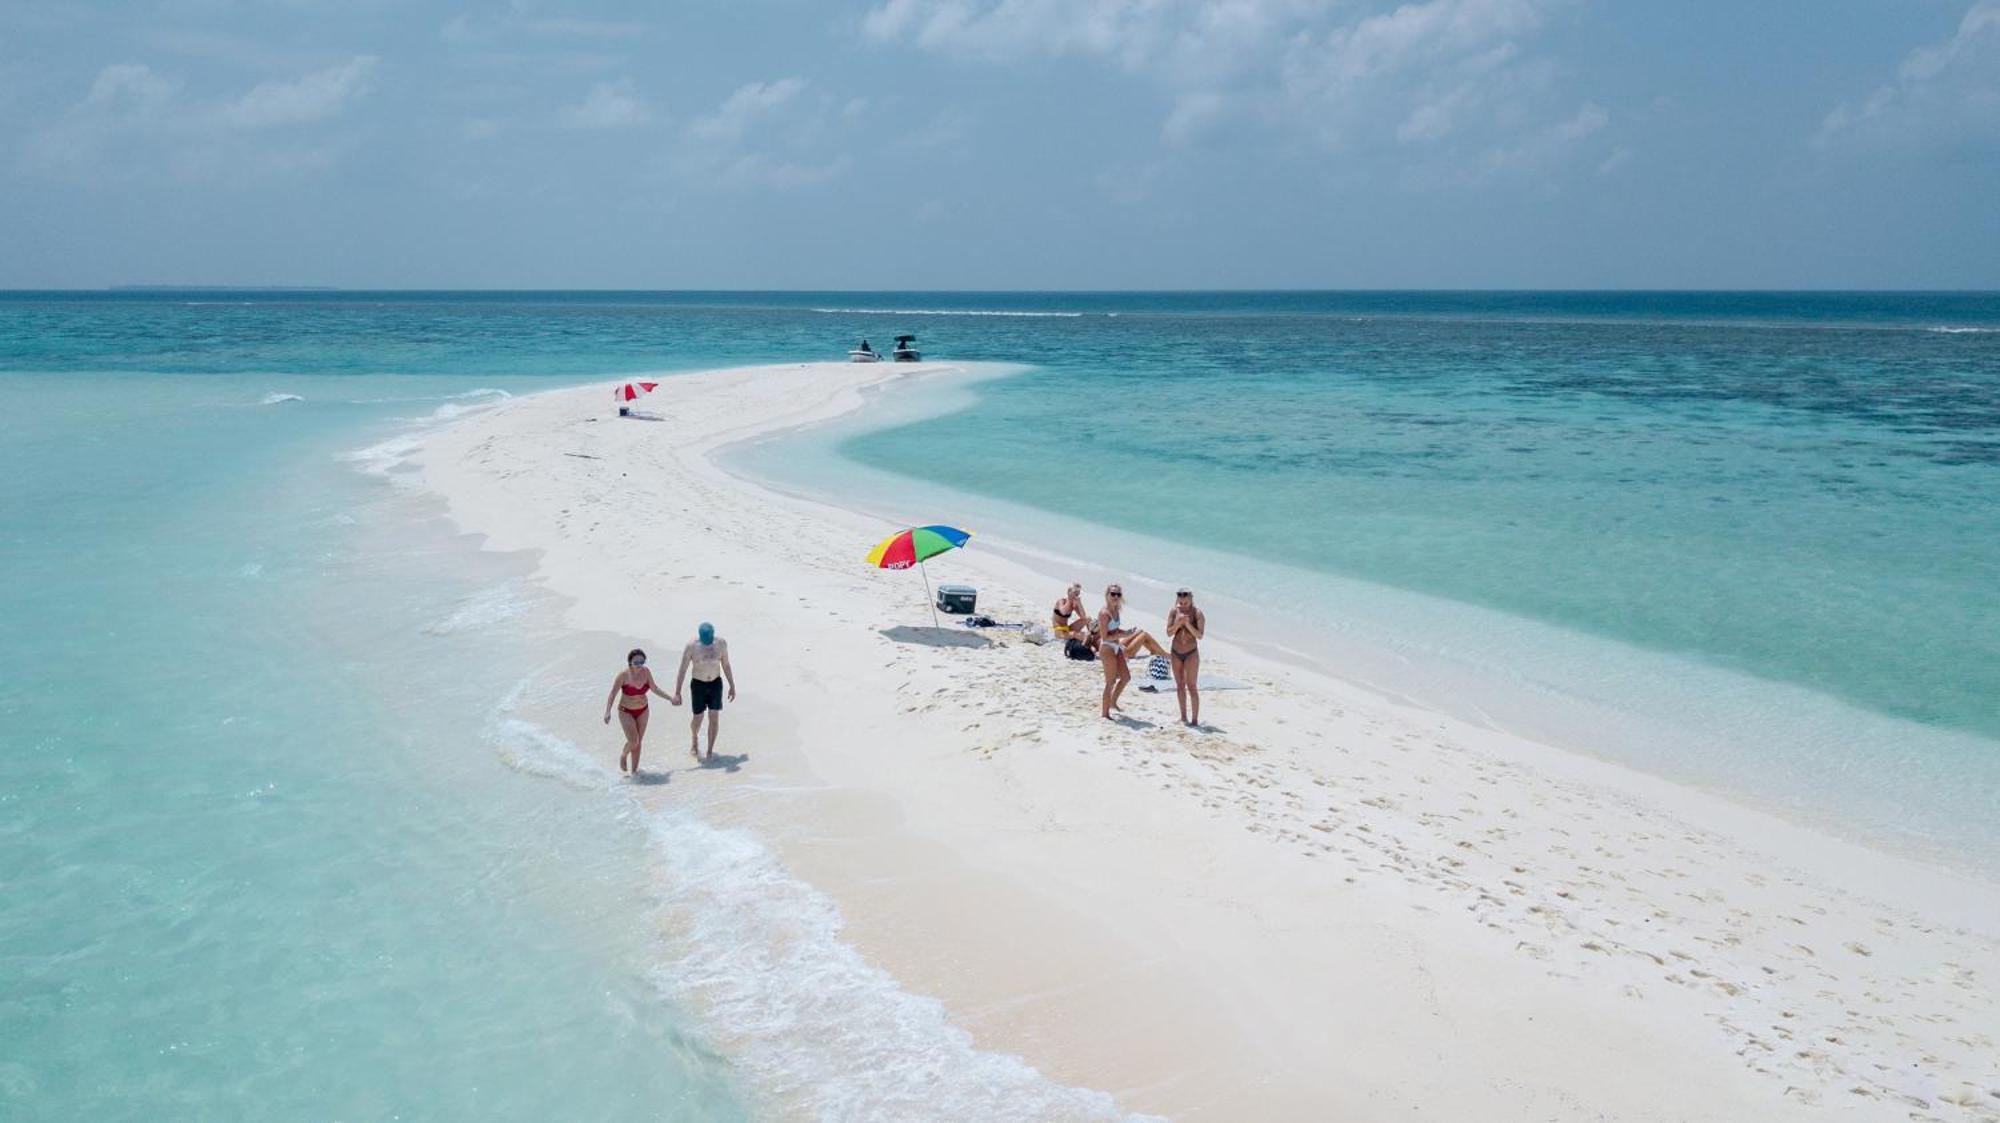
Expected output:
{"points": [[631, 691]]}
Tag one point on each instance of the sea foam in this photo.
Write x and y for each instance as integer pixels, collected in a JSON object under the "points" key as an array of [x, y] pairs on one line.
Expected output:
{"points": [[385, 458], [480, 610], [757, 954]]}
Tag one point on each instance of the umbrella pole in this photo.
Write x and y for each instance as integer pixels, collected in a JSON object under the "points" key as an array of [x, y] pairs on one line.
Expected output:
{"points": [[928, 598]]}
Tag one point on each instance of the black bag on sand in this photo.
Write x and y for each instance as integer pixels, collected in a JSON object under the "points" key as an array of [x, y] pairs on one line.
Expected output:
{"points": [[1077, 649]]}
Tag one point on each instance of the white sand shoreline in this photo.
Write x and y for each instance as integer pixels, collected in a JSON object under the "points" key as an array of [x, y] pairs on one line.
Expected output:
{"points": [[1726, 733], [1813, 835], [1339, 907]]}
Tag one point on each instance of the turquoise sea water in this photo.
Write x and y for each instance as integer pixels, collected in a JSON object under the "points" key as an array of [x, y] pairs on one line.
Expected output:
{"points": [[1814, 503], [1755, 538], [284, 829], [257, 861], [278, 840]]}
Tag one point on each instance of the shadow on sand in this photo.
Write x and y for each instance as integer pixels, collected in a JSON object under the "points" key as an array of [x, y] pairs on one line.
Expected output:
{"points": [[649, 779], [936, 637], [724, 761]]}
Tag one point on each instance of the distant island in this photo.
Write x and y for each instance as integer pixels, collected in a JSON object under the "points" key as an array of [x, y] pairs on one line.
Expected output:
{"points": [[221, 288]]}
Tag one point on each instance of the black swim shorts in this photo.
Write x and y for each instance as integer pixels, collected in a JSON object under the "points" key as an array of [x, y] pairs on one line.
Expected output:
{"points": [[705, 694]]}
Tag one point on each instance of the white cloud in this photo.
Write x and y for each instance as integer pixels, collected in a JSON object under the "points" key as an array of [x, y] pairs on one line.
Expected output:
{"points": [[752, 102], [762, 169], [136, 123], [945, 127], [1538, 149], [610, 105], [314, 97], [129, 86], [516, 22], [1435, 117], [1437, 69], [771, 135], [1200, 37], [573, 27], [1443, 78], [1194, 114], [1007, 28], [1945, 93], [1448, 32]]}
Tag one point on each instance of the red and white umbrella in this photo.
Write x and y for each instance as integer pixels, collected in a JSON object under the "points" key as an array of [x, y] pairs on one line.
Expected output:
{"points": [[632, 391]]}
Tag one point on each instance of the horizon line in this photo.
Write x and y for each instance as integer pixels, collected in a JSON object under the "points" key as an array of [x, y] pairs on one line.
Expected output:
{"points": [[1244, 290]]}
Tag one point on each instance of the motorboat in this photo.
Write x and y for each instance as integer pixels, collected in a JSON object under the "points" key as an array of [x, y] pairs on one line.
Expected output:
{"points": [[906, 351], [864, 354]]}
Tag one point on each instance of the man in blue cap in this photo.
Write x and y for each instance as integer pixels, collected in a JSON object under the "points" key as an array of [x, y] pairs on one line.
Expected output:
{"points": [[709, 657]]}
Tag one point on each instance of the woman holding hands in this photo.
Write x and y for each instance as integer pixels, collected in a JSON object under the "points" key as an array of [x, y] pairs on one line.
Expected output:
{"points": [[634, 683]]}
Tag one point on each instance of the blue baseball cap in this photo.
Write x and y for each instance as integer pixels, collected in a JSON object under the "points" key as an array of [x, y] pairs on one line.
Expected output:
{"points": [[706, 632]]}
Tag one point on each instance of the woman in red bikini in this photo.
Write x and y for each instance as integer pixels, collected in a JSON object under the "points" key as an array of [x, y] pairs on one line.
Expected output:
{"points": [[633, 682]]}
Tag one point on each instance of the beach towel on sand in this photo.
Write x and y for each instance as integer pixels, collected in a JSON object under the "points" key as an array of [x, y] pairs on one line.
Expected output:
{"points": [[1208, 682]]}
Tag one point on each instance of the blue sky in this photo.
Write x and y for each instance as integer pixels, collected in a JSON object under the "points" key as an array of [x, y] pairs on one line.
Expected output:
{"points": [[1002, 144]]}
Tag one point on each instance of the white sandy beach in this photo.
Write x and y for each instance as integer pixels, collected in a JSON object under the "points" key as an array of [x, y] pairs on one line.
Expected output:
{"points": [[1330, 906]]}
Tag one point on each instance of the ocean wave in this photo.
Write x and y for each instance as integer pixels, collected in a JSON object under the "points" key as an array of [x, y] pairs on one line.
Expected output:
{"points": [[943, 312], [385, 458], [482, 392], [481, 609], [382, 459], [1946, 330], [821, 1033], [455, 409], [274, 397]]}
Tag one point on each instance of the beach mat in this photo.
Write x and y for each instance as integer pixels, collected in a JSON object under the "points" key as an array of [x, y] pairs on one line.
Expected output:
{"points": [[1205, 682]]}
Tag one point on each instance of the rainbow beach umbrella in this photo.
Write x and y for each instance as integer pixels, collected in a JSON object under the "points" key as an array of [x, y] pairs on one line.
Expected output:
{"points": [[912, 547]]}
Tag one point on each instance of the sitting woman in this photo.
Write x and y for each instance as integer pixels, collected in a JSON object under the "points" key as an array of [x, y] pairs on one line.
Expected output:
{"points": [[1117, 644], [1068, 617]]}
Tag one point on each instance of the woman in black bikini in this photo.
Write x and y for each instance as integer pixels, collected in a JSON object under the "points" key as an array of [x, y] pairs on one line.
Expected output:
{"points": [[1068, 617], [635, 681], [1185, 627], [1116, 643]]}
